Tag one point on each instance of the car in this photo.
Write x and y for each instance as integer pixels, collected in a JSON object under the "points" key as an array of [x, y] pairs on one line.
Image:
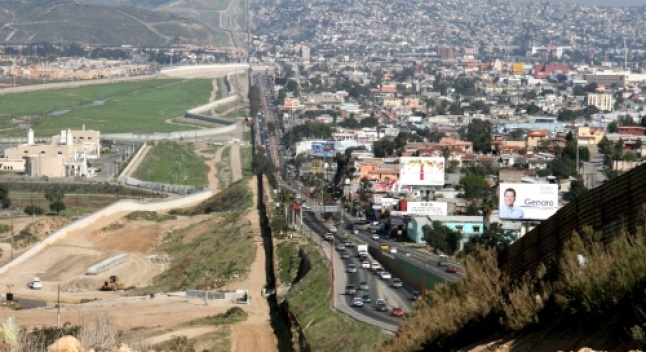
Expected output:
{"points": [[397, 312], [332, 229], [340, 247], [375, 236], [363, 257], [363, 286], [378, 271], [366, 298], [35, 284], [349, 244], [352, 268], [384, 246], [365, 264], [385, 275], [349, 226], [357, 302], [375, 223], [397, 282], [328, 236], [345, 255], [415, 295], [451, 269], [393, 250], [381, 305], [375, 265], [351, 289], [443, 261]]}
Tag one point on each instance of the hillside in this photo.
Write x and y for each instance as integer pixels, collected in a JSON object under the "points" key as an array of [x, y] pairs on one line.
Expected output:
{"points": [[58, 21]]}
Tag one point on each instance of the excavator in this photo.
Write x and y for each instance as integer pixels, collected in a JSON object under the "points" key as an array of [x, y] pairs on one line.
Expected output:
{"points": [[113, 285]]}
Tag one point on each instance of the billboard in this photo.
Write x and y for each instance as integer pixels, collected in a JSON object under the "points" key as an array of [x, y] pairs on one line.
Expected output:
{"points": [[323, 149], [391, 186], [428, 208], [528, 201], [421, 171]]}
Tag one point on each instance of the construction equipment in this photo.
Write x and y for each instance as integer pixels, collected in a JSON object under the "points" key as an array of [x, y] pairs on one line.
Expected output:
{"points": [[113, 285]]}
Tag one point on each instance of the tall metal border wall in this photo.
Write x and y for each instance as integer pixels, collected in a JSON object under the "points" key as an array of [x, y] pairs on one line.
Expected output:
{"points": [[610, 208]]}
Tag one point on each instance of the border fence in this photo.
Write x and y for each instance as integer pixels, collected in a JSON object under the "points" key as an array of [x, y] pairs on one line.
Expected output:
{"points": [[612, 208]]}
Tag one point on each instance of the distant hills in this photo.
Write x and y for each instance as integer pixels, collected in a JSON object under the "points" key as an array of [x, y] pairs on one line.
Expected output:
{"points": [[126, 22]]}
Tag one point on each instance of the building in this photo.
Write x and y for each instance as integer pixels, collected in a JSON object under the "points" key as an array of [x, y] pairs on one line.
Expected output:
{"points": [[602, 101], [542, 71], [445, 52], [66, 156], [305, 54]]}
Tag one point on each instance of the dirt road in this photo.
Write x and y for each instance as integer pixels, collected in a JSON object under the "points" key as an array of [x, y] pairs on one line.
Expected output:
{"points": [[255, 334]]}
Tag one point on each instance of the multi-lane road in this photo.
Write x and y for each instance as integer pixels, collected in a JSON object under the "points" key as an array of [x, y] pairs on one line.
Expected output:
{"points": [[377, 288]]}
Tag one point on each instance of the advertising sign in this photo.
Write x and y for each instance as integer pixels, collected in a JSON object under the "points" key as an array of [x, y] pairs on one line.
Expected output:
{"points": [[428, 208], [421, 171], [322, 149], [520, 201], [392, 186]]}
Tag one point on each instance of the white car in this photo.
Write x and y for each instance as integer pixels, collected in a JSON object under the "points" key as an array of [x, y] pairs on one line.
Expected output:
{"points": [[365, 264], [329, 236], [386, 276], [357, 302], [393, 250], [35, 284], [375, 266], [352, 268], [375, 236], [397, 282]]}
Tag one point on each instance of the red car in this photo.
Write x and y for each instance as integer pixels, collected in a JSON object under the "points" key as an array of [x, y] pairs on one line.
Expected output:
{"points": [[397, 312], [451, 269]]}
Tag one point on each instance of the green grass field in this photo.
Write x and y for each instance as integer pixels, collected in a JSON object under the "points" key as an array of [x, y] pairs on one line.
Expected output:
{"points": [[140, 106], [173, 163]]}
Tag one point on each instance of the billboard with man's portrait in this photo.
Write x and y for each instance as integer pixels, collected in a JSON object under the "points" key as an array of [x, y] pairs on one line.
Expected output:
{"points": [[524, 201]]}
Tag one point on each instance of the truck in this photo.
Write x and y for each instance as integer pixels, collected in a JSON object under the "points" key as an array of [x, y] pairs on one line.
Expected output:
{"points": [[362, 249]]}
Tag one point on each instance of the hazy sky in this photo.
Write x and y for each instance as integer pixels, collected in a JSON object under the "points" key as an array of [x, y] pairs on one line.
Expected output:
{"points": [[607, 2]]}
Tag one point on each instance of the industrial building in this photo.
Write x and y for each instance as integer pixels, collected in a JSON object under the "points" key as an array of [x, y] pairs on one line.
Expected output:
{"points": [[66, 156]]}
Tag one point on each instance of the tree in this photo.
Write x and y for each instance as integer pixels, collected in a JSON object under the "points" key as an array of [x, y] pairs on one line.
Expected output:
{"points": [[475, 186], [57, 206], [441, 237], [383, 148], [479, 132], [487, 205], [517, 134], [577, 188], [494, 237], [566, 115], [612, 127], [369, 122], [33, 210], [533, 109], [5, 201], [350, 123], [54, 192]]}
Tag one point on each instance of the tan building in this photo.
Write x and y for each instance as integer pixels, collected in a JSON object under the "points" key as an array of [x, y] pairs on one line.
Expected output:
{"points": [[590, 135], [535, 138], [601, 101], [66, 156]]}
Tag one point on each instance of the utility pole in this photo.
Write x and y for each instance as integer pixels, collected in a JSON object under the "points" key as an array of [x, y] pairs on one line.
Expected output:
{"points": [[206, 295], [58, 307], [332, 270]]}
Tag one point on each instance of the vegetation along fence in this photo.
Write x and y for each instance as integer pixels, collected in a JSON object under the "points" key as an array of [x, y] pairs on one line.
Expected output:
{"points": [[612, 208]]}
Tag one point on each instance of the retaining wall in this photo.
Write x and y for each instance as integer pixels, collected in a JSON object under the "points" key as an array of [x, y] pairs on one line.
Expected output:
{"points": [[119, 207], [180, 135]]}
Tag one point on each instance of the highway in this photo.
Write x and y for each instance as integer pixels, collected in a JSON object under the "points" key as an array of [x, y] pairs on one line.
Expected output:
{"points": [[378, 288]]}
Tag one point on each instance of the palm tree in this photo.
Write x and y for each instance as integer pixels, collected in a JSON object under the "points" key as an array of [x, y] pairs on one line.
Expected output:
{"points": [[487, 205]]}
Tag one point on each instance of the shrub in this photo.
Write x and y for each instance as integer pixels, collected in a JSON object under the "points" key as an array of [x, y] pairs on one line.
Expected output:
{"points": [[34, 209]]}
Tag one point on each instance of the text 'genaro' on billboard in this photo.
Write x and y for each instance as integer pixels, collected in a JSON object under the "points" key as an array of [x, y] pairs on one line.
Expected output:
{"points": [[421, 171], [528, 201]]}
